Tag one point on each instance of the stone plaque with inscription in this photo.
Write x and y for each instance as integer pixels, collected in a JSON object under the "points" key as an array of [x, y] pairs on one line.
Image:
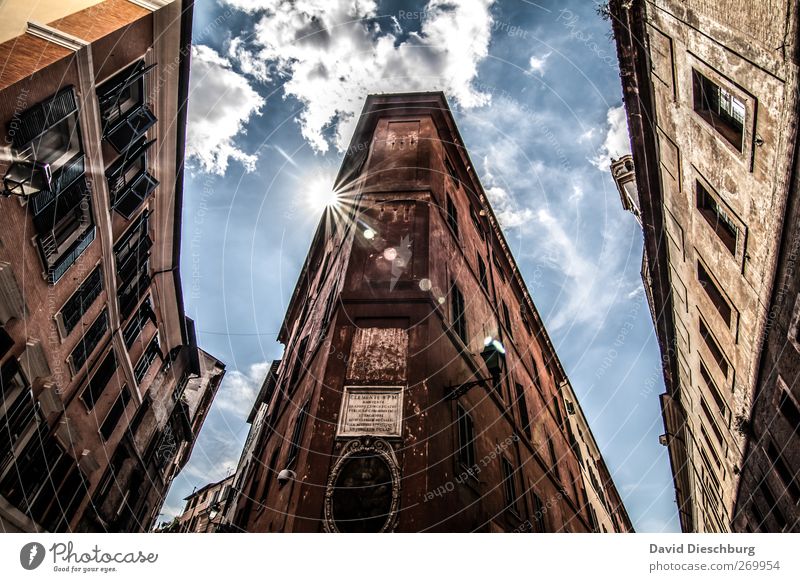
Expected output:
{"points": [[371, 410]]}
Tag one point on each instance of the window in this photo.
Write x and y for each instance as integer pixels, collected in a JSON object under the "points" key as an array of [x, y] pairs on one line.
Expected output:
{"points": [[557, 412], [482, 274], [717, 216], [553, 458], [522, 408], [457, 313], [524, 316], [64, 229], [714, 348], [451, 170], [299, 363], [539, 514], [115, 414], [125, 116], [17, 413], [787, 475], [129, 183], [132, 254], [152, 351], [789, 410], [466, 438], [714, 294], [476, 221], [509, 486], [48, 133], [83, 298], [452, 216], [138, 322], [99, 380], [712, 422], [297, 434], [499, 268], [720, 108], [506, 318], [90, 340], [715, 393], [772, 503], [46, 483]]}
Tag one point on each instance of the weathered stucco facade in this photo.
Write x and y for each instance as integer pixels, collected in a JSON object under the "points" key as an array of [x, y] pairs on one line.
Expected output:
{"points": [[710, 88], [103, 385], [375, 419]]}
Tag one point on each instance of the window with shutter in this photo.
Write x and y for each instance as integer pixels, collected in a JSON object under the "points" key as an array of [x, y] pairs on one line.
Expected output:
{"points": [[87, 344], [145, 361], [80, 302], [99, 380], [115, 414], [129, 183]]}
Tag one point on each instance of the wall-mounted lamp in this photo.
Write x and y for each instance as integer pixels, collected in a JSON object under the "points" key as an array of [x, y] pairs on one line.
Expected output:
{"points": [[26, 179], [493, 354]]}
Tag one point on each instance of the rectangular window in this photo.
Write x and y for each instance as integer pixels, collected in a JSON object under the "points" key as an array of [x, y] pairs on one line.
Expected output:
{"points": [[712, 422], [719, 108], [789, 410], [715, 393], [538, 514], [771, 503], [80, 302], [714, 293], [299, 363], [509, 486], [297, 434], [557, 412], [457, 313], [553, 458], [129, 183], [47, 485], [90, 340], [138, 322], [476, 221], [125, 115], [451, 171], [522, 407], [482, 274], [452, 215], [99, 380], [717, 216], [714, 348], [466, 438], [132, 254], [787, 475], [64, 229], [507, 318], [17, 412], [115, 414], [152, 351]]}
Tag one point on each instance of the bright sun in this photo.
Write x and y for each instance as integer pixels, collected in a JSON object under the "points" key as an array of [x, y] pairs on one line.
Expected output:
{"points": [[320, 195]]}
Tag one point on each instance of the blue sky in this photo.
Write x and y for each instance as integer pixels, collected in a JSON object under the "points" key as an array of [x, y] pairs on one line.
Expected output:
{"points": [[276, 89]]}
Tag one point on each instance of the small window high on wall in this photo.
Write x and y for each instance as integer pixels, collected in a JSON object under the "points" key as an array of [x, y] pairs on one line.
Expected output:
{"points": [[723, 110]]}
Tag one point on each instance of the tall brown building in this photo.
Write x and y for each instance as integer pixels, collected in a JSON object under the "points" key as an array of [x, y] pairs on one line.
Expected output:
{"points": [[711, 92], [103, 385], [419, 390]]}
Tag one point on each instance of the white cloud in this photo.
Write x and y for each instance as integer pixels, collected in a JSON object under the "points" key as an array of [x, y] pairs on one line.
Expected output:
{"points": [[221, 102], [508, 211], [333, 53], [617, 142], [537, 63], [239, 389]]}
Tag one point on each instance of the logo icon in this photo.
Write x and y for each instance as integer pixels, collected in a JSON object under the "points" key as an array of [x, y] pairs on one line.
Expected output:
{"points": [[31, 555]]}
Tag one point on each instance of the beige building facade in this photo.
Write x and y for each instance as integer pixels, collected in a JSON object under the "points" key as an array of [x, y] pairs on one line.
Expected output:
{"points": [[710, 89]]}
